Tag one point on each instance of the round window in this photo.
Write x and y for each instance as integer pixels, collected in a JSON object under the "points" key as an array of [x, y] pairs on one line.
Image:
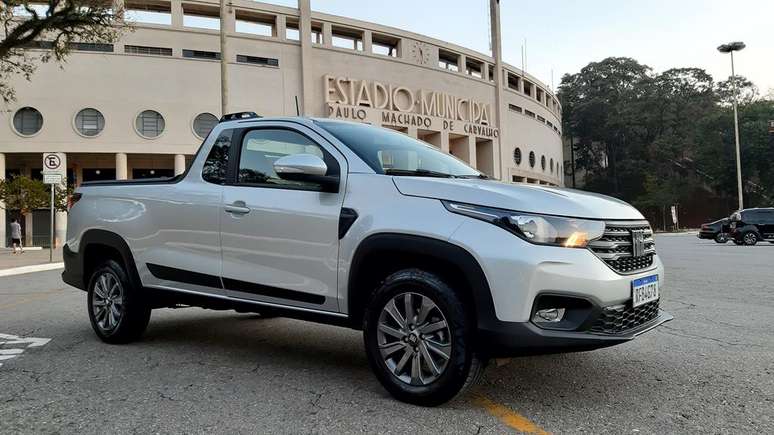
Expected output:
{"points": [[27, 121], [89, 122], [543, 162], [517, 156], [204, 123], [531, 159], [149, 123], [552, 166]]}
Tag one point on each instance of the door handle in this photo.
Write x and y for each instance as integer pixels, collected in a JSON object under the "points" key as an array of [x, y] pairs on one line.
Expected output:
{"points": [[237, 207]]}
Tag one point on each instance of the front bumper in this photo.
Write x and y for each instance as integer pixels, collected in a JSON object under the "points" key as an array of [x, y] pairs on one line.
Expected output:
{"points": [[500, 339]]}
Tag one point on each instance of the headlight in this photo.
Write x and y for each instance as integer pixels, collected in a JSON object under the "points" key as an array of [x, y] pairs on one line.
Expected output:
{"points": [[534, 228]]}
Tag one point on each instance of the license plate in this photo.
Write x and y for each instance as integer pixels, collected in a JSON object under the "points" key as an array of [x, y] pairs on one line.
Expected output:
{"points": [[644, 290]]}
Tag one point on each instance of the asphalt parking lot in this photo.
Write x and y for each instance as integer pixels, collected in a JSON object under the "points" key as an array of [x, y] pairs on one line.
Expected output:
{"points": [[711, 370]]}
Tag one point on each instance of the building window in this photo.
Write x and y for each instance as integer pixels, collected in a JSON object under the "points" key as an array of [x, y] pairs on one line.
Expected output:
{"points": [[474, 68], [513, 81], [385, 45], [204, 123], [89, 122], [531, 159], [317, 35], [540, 118], [346, 38], [539, 94], [266, 61], [27, 121], [448, 60], [552, 166], [514, 108], [200, 54], [150, 51], [91, 46], [491, 73], [543, 162], [201, 17], [291, 31], [150, 13], [528, 88], [517, 156], [149, 124], [255, 24], [529, 113]]}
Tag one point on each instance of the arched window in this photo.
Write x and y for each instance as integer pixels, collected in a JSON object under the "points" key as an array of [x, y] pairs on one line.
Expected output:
{"points": [[27, 121], [204, 123], [149, 123], [531, 159], [89, 122], [517, 156]]}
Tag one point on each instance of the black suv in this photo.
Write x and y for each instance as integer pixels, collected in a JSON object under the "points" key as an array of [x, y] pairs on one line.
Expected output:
{"points": [[717, 231], [752, 225]]}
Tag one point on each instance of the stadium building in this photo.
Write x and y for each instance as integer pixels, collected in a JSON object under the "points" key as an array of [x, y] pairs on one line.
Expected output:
{"points": [[141, 107]]}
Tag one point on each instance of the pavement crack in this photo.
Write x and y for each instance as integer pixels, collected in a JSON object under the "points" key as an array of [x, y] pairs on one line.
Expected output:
{"points": [[674, 332]]}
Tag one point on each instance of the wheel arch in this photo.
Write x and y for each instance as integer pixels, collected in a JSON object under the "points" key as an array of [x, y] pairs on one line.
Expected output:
{"points": [[98, 245], [380, 254]]}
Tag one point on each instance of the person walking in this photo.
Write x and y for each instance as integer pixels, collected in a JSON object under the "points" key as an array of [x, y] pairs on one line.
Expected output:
{"points": [[16, 236]]}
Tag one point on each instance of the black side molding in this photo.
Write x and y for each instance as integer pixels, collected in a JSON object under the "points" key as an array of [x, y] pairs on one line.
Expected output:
{"points": [[184, 276], [346, 219]]}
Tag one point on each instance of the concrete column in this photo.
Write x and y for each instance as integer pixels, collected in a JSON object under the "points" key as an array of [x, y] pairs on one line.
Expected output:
{"points": [[179, 164], [60, 217], [305, 33], [485, 71], [461, 61], [230, 19], [280, 27], [177, 13], [2, 204], [499, 109], [27, 172], [445, 141], [78, 175], [367, 41], [122, 169], [327, 35], [472, 151], [412, 131]]}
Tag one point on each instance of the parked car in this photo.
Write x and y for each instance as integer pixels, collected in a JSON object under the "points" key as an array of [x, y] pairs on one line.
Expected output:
{"points": [[363, 227], [717, 230], [752, 225]]}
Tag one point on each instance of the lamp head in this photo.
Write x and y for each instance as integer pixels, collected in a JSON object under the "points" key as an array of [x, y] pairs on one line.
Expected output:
{"points": [[731, 46]]}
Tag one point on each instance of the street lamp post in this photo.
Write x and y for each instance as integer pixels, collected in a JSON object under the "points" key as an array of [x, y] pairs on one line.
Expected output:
{"points": [[731, 48]]}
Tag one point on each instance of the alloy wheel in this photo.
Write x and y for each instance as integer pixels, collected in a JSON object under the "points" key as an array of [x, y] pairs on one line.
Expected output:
{"points": [[414, 339], [107, 302], [750, 239]]}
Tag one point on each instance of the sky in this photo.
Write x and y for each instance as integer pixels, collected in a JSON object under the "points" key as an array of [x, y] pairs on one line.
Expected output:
{"points": [[562, 36]]}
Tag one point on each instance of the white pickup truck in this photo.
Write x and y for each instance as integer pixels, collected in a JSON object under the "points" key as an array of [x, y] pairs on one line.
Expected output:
{"points": [[363, 227]]}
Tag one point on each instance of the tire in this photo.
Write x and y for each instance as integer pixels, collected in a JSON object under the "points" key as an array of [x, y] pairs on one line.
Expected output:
{"points": [[750, 239], [452, 366], [721, 238], [109, 286]]}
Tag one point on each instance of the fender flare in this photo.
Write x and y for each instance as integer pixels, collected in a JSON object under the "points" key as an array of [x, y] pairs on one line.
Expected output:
{"points": [[75, 262]]}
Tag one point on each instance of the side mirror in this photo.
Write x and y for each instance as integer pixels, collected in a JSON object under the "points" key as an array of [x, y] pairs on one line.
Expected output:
{"points": [[307, 168]]}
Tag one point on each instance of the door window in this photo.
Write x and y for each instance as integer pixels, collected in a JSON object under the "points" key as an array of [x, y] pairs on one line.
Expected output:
{"points": [[262, 147], [216, 165]]}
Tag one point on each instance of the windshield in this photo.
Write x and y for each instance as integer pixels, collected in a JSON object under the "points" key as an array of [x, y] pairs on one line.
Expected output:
{"points": [[393, 153]]}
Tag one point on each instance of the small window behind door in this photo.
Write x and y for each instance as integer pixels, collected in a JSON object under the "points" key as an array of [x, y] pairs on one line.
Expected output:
{"points": [[216, 165], [262, 147]]}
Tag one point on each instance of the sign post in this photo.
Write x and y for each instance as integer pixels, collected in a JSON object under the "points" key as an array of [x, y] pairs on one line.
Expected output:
{"points": [[53, 175]]}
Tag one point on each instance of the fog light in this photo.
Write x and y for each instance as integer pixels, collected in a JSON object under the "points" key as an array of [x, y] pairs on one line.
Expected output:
{"points": [[548, 315]]}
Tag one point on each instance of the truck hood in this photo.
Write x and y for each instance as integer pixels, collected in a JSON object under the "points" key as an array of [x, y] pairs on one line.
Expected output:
{"points": [[528, 198]]}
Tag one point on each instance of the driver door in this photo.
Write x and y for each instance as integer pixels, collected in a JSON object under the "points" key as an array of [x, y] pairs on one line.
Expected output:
{"points": [[279, 238]]}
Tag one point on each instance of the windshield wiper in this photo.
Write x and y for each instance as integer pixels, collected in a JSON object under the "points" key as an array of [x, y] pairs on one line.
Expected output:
{"points": [[417, 173], [479, 176]]}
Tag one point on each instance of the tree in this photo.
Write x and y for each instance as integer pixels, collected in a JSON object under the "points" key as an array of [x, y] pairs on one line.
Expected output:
{"points": [[24, 195], [53, 25]]}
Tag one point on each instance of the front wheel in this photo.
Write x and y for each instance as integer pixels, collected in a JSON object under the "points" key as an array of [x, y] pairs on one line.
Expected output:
{"points": [[419, 340], [750, 239], [117, 310], [721, 238]]}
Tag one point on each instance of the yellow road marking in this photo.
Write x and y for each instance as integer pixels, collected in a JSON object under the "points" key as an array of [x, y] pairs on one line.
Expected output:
{"points": [[29, 299], [508, 417]]}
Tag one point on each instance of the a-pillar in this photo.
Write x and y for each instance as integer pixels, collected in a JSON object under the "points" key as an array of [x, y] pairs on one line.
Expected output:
{"points": [[60, 218], [122, 168], [179, 164], [2, 203]]}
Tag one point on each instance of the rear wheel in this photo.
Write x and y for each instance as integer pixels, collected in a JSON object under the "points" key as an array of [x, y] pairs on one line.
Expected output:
{"points": [[419, 339], [750, 239], [117, 310], [721, 238]]}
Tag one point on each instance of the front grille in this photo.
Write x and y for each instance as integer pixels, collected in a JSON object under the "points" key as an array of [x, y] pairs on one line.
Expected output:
{"points": [[621, 318], [616, 246]]}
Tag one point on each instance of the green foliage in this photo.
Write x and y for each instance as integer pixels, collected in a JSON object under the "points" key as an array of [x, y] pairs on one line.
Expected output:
{"points": [[655, 138], [58, 23], [25, 195]]}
